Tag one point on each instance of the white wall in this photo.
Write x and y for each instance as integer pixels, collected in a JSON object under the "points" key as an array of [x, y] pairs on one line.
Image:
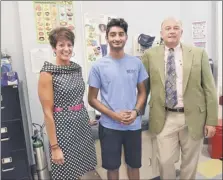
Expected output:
{"points": [[19, 35], [145, 20], [196, 11], [11, 35], [142, 16], [202, 11], [219, 33], [11, 41]]}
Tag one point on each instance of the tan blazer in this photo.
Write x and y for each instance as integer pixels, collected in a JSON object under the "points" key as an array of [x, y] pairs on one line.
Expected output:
{"points": [[199, 92]]}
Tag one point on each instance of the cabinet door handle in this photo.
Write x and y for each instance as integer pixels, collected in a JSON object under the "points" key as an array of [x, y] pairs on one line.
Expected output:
{"points": [[5, 139], [9, 169], [4, 130], [7, 160], [2, 107]]}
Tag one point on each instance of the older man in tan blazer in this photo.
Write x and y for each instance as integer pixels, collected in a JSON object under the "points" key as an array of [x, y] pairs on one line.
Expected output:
{"points": [[183, 104]]}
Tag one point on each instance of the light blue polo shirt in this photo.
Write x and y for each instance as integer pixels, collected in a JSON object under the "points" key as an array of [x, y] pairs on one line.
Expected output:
{"points": [[117, 80]]}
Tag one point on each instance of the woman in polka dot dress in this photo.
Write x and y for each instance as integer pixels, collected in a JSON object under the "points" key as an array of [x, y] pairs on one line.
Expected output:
{"points": [[61, 89]]}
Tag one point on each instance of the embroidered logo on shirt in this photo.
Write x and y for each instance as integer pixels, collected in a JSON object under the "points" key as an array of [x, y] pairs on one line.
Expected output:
{"points": [[131, 71]]}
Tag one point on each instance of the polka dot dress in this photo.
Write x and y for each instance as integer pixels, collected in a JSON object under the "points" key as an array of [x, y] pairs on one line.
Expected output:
{"points": [[72, 128]]}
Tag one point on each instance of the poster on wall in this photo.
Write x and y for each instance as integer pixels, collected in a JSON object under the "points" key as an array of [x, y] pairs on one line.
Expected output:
{"points": [[50, 14], [199, 30], [95, 42], [199, 34], [95, 32]]}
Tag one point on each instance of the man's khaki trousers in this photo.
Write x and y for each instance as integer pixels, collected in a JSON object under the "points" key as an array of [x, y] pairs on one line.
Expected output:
{"points": [[173, 139]]}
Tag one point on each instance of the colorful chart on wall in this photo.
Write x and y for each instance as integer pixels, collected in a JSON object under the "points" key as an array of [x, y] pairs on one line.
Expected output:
{"points": [[95, 32], [50, 14]]}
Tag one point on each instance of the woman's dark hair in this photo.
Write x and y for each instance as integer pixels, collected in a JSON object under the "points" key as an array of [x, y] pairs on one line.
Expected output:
{"points": [[102, 25], [61, 33], [120, 22]]}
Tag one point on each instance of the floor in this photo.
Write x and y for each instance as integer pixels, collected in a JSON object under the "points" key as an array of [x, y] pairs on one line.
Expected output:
{"points": [[207, 168]]}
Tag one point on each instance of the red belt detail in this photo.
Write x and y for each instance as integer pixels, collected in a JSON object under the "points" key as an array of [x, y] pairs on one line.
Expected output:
{"points": [[70, 108]]}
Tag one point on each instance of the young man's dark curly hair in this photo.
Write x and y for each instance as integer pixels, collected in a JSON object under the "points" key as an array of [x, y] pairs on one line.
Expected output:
{"points": [[119, 22]]}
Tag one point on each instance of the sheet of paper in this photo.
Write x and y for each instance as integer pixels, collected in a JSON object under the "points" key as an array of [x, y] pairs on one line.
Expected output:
{"points": [[38, 56], [199, 34], [199, 30]]}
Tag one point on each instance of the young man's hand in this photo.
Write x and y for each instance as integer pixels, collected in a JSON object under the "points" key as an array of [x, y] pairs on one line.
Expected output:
{"points": [[132, 118], [126, 117], [122, 116]]}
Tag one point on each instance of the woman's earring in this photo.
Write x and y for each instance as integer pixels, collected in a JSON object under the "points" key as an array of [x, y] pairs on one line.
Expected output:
{"points": [[73, 54], [54, 54]]}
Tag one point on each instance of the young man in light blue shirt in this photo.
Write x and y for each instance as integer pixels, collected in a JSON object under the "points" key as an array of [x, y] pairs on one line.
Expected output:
{"points": [[118, 76]]}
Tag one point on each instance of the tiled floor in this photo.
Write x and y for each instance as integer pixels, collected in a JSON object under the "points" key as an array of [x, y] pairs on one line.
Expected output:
{"points": [[207, 168]]}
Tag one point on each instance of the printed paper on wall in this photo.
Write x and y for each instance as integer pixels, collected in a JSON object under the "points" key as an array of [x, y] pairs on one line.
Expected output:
{"points": [[95, 42], [38, 57], [95, 32], [199, 30]]}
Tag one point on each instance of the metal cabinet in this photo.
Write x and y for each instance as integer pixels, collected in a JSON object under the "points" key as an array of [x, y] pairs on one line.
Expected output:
{"points": [[10, 103], [12, 136], [14, 165], [14, 159]]}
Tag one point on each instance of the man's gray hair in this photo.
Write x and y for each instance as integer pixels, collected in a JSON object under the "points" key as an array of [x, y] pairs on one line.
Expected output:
{"points": [[171, 18]]}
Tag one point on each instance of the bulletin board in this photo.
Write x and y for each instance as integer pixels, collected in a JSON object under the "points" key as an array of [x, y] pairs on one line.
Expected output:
{"points": [[50, 14]]}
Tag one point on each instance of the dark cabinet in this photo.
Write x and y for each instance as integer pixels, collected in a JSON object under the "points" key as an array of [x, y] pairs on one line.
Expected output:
{"points": [[12, 136], [14, 159], [10, 103], [14, 165]]}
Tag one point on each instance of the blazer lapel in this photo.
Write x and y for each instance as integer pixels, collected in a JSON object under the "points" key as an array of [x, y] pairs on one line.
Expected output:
{"points": [[161, 63], [187, 64]]}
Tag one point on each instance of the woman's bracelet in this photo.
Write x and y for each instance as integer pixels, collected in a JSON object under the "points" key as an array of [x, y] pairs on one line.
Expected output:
{"points": [[55, 146]]}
